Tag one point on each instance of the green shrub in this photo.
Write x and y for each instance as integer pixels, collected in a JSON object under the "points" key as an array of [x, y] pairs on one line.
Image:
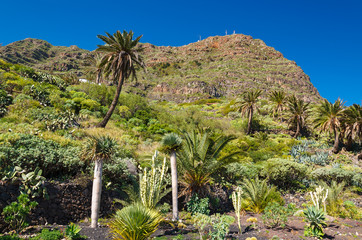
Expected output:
{"points": [[276, 215], [39, 93], [201, 221], [350, 210], [8, 237], [134, 222], [72, 232], [327, 174], [16, 213], [197, 205], [5, 100], [30, 152], [357, 180], [236, 172], [116, 170], [284, 173], [220, 226], [46, 234]]}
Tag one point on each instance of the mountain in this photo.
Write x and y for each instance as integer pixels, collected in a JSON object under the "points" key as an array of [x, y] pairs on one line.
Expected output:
{"points": [[220, 66]]}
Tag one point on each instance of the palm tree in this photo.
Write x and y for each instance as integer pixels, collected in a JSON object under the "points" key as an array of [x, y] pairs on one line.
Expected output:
{"points": [[120, 60], [171, 143], [247, 105], [199, 158], [278, 99], [328, 119], [98, 149], [95, 67], [298, 113], [352, 124]]}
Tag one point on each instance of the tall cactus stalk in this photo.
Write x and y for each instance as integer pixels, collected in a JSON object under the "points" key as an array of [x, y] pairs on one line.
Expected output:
{"points": [[319, 196], [237, 198]]}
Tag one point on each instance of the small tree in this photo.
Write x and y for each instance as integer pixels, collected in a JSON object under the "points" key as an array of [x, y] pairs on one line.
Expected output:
{"points": [[171, 143], [98, 149]]}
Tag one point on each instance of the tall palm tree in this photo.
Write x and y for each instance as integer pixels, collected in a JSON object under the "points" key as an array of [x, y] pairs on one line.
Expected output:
{"points": [[171, 143], [352, 124], [200, 157], [278, 99], [120, 60], [298, 112], [247, 105], [98, 149], [328, 119]]}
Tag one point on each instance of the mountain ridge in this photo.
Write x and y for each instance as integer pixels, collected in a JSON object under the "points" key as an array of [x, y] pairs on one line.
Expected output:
{"points": [[218, 66]]}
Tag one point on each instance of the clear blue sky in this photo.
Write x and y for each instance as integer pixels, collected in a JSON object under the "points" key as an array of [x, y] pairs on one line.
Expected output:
{"points": [[323, 37]]}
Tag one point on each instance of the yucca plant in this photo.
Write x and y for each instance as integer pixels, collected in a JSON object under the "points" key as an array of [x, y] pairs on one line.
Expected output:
{"points": [[135, 222], [257, 194], [316, 219]]}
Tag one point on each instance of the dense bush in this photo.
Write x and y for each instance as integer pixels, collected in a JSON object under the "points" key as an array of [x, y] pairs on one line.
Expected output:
{"points": [[30, 152], [5, 100], [284, 173], [276, 215], [198, 205], [337, 174], [237, 172]]}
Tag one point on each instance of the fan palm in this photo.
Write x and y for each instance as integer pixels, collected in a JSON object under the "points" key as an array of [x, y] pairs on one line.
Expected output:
{"points": [[171, 143], [98, 149], [247, 105], [328, 119], [298, 112], [278, 99], [352, 123], [120, 60], [199, 158]]}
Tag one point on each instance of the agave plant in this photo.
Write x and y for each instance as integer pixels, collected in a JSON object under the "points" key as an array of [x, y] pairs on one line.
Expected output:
{"points": [[135, 222], [316, 219]]}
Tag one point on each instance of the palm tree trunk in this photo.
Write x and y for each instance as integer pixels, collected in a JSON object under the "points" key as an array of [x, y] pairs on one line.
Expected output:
{"points": [[113, 105], [298, 130], [250, 121], [96, 193], [174, 186], [99, 76], [336, 141]]}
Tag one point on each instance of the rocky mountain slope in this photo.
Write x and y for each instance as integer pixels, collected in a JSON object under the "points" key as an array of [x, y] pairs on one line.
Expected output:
{"points": [[220, 66]]}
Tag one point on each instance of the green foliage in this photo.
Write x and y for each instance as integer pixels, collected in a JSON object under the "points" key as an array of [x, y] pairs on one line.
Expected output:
{"points": [[55, 120], [134, 222], [47, 234], [16, 213], [334, 200], [99, 148], [316, 219], [5, 100], [328, 174], [196, 205], [220, 226], [257, 194], [72, 232], [276, 215], [116, 171], [171, 142], [10, 237], [284, 173], [201, 221], [39, 93], [32, 183], [30, 152], [350, 210], [357, 180]]}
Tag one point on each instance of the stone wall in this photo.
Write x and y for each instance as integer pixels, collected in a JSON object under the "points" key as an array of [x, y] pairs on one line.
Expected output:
{"points": [[67, 202]]}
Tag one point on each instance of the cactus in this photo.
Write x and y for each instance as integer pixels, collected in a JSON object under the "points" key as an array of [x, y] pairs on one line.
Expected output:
{"points": [[319, 196], [237, 198]]}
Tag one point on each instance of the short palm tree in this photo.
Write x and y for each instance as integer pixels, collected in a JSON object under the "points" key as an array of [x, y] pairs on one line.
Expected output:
{"points": [[352, 124], [135, 222], [298, 112], [200, 157], [95, 67], [99, 149], [328, 119], [171, 143], [247, 105], [120, 59], [278, 99]]}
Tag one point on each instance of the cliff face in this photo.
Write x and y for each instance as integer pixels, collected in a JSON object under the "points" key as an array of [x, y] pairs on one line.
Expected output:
{"points": [[221, 66]]}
